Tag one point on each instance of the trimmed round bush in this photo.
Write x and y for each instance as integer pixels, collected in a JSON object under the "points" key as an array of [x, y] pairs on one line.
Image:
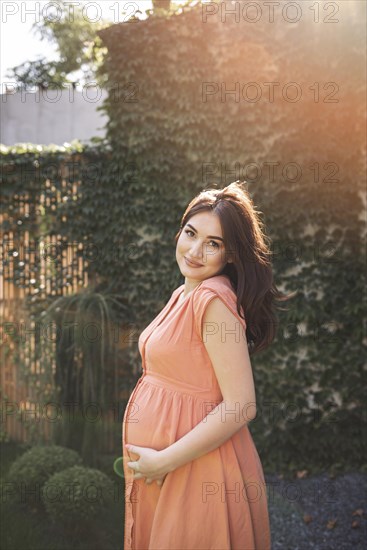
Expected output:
{"points": [[30, 471], [77, 495]]}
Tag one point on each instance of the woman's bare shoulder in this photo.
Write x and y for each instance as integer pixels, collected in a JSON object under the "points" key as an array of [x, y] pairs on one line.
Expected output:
{"points": [[218, 282]]}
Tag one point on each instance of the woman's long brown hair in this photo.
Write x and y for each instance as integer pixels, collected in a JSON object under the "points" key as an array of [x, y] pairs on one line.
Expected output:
{"points": [[250, 271]]}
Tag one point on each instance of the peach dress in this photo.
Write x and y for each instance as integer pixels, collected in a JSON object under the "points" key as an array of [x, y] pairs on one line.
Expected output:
{"points": [[218, 501]]}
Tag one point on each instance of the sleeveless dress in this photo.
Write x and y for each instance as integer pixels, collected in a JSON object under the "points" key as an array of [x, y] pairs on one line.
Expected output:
{"points": [[218, 501]]}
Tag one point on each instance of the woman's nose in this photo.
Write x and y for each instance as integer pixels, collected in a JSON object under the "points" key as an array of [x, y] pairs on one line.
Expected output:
{"points": [[196, 252], [200, 252]]}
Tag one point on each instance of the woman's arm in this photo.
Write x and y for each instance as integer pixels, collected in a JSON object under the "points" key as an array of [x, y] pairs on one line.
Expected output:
{"points": [[226, 344]]}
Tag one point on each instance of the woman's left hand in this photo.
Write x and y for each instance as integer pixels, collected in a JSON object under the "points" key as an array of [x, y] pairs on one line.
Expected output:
{"points": [[150, 464]]}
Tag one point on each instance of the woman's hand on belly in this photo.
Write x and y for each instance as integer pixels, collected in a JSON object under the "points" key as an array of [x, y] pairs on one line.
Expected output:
{"points": [[150, 464]]}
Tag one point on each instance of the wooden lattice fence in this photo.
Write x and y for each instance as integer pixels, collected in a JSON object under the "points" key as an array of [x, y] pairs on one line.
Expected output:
{"points": [[40, 265]]}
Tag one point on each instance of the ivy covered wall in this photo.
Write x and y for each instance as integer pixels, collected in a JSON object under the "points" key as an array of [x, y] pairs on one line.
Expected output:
{"points": [[200, 99]]}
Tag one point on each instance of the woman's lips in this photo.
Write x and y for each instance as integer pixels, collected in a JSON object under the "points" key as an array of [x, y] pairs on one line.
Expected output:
{"points": [[190, 264]]}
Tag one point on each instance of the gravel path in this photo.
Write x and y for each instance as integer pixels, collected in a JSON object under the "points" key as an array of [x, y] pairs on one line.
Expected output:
{"points": [[317, 512]]}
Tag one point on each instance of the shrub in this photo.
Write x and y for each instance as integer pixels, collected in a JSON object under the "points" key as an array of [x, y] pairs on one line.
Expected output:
{"points": [[77, 495], [31, 470]]}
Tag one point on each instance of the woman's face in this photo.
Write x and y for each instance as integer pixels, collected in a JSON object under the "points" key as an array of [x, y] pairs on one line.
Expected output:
{"points": [[201, 241]]}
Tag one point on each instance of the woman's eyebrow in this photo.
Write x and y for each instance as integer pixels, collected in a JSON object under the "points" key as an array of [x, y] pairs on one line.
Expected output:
{"points": [[209, 236]]}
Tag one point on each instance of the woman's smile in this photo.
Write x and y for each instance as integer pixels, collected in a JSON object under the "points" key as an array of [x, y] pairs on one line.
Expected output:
{"points": [[191, 264]]}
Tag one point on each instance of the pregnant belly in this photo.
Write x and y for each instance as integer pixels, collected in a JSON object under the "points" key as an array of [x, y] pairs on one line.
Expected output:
{"points": [[156, 417], [147, 418]]}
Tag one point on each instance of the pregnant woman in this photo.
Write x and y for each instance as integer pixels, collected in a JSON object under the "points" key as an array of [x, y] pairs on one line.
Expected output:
{"points": [[193, 477]]}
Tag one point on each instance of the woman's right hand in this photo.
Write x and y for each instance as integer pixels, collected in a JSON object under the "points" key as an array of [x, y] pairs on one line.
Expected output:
{"points": [[148, 481]]}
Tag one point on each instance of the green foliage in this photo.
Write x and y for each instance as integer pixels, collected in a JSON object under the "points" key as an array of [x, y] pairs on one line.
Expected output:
{"points": [[76, 496], [41, 72], [4, 436], [31, 527], [100, 311], [78, 47], [22, 148], [32, 469], [88, 368]]}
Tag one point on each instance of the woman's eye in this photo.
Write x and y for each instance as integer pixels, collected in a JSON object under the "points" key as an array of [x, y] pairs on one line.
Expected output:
{"points": [[212, 243]]}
